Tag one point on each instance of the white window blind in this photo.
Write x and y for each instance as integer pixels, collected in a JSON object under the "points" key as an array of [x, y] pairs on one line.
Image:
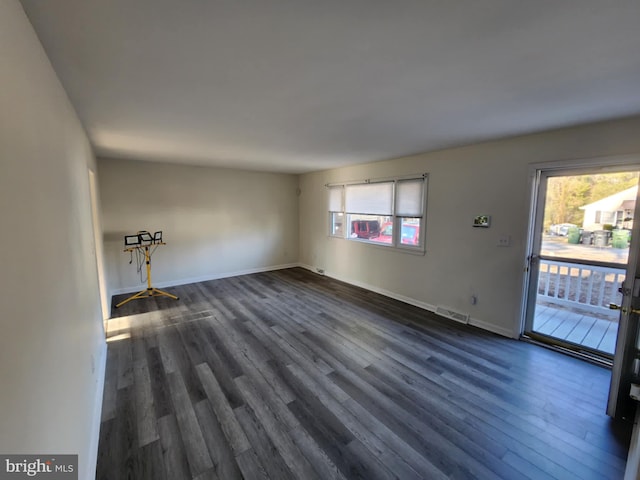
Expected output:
{"points": [[409, 198], [369, 198], [335, 199]]}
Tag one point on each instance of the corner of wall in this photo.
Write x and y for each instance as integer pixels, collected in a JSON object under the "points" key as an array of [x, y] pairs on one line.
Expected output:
{"points": [[97, 413]]}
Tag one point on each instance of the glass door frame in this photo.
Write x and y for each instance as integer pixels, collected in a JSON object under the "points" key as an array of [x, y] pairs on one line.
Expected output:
{"points": [[619, 402]]}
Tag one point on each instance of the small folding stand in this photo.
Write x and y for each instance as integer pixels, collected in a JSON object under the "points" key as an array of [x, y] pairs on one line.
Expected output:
{"points": [[141, 243]]}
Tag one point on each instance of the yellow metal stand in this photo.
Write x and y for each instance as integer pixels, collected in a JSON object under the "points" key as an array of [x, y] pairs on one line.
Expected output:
{"points": [[149, 291]]}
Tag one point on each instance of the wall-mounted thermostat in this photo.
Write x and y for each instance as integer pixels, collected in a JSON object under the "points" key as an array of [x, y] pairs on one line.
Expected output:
{"points": [[482, 221]]}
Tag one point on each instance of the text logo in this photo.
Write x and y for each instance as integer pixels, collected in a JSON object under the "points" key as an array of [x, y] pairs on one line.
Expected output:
{"points": [[50, 467]]}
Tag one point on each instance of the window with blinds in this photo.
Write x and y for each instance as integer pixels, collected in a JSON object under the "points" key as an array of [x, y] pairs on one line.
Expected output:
{"points": [[369, 198], [336, 211], [388, 212]]}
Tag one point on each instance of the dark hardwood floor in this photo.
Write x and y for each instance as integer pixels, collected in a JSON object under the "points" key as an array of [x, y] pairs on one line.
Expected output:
{"points": [[291, 375]]}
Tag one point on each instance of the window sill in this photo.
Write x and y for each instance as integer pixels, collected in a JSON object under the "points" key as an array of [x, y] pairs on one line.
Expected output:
{"points": [[401, 249]]}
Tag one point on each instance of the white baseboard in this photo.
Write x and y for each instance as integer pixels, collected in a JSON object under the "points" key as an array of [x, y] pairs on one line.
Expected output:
{"points": [[373, 288], [416, 303], [309, 267], [97, 413], [504, 332], [204, 278], [387, 293]]}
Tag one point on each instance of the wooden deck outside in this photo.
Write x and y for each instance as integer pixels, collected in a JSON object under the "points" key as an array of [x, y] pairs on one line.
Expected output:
{"points": [[586, 329]]}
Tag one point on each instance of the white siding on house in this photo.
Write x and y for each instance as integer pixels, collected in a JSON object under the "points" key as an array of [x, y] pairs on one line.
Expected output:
{"points": [[608, 210]]}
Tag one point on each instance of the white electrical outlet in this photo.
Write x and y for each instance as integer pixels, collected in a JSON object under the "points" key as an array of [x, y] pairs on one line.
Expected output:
{"points": [[504, 240]]}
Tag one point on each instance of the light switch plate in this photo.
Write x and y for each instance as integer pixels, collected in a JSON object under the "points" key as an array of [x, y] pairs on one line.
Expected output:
{"points": [[504, 240]]}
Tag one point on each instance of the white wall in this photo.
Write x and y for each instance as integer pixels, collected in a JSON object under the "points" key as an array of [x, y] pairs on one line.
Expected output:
{"points": [[52, 339], [216, 222], [490, 178]]}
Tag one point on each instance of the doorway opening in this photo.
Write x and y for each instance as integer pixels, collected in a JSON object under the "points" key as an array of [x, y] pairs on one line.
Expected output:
{"points": [[579, 258], [99, 252]]}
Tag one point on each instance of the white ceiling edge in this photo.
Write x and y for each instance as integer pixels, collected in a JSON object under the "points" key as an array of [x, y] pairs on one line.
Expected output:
{"points": [[257, 166], [305, 86]]}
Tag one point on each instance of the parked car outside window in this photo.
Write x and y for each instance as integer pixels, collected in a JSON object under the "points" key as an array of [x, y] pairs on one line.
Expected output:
{"points": [[561, 229], [409, 234], [365, 228]]}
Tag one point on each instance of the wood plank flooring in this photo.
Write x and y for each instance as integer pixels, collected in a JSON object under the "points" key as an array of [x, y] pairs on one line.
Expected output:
{"points": [[587, 330], [292, 375]]}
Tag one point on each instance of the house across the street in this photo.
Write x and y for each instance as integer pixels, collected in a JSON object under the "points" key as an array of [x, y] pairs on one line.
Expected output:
{"points": [[616, 210]]}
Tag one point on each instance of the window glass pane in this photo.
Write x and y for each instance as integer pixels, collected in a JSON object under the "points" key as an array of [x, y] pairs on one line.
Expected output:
{"points": [[373, 228], [410, 231], [369, 198], [409, 197], [607, 217], [387, 213], [337, 224], [335, 199]]}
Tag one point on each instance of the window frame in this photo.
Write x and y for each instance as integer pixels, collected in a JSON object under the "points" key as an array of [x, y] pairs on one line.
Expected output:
{"points": [[335, 212], [396, 220]]}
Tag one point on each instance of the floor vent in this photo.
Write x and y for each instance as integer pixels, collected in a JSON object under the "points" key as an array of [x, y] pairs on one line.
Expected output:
{"points": [[452, 314]]}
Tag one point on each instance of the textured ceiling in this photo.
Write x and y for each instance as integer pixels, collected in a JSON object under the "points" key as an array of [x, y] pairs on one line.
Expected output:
{"points": [[297, 86]]}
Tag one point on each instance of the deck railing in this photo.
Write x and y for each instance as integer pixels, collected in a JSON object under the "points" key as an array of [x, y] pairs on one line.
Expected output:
{"points": [[587, 287]]}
